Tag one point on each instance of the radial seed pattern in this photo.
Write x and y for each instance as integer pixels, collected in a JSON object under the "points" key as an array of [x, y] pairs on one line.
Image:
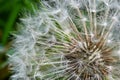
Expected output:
{"points": [[69, 40]]}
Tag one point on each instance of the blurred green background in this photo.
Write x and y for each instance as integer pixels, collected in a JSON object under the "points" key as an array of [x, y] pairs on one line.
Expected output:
{"points": [[10, 12]]}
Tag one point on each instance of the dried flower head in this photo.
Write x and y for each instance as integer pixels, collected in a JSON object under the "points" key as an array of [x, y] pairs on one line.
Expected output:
{"points": [[69, 40]]}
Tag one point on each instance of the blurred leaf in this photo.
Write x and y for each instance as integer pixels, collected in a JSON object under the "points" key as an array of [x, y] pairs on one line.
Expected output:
{"points": [[3, 64], [2, 23], [10, 23], [7, 5], [4, 73]]}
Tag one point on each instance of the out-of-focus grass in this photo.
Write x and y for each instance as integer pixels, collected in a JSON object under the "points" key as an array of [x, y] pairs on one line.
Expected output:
{"points": [[10, 11]]}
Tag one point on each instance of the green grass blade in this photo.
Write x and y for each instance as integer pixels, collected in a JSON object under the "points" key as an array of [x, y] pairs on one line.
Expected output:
{"points": [[10, 23]]}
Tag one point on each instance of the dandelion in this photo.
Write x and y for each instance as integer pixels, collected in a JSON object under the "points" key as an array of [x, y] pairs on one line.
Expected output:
{"points": [[69, 40]]}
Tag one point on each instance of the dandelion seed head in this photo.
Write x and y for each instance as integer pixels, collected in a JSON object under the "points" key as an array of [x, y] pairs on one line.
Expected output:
{"points": [[68, 40]]}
